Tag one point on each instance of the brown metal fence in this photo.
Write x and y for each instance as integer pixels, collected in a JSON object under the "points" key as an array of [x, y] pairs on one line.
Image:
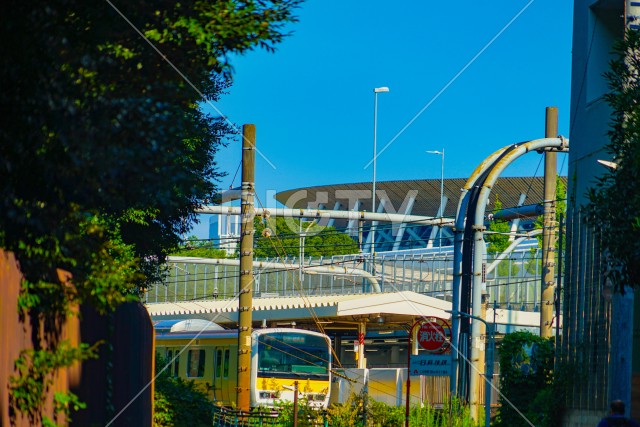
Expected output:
{"points": [[117, 387], [587, 319], [18, 335]]}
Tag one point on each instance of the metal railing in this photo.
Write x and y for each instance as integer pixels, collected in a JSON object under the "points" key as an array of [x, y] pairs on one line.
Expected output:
{"points": [[259, 417], [514, 283], [226, 417]]}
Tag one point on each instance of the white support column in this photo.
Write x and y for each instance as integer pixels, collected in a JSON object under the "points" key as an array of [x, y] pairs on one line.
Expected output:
{"points": [[374, 224], [352, 226], [435, 228], [384, 236], [332, 221], [401, 228], [419, 240]]}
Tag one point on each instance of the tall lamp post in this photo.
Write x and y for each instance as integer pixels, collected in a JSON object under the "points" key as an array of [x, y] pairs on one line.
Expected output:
{"points": [[376, 91], [440, 153]]}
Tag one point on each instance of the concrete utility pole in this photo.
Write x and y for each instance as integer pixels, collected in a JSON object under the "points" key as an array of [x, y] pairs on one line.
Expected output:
{"points": [[549, 228], [246, 268]]}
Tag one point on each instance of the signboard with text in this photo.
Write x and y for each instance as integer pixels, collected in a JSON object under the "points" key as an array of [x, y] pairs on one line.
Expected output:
{"points": [[430, 365], [434, 335]]}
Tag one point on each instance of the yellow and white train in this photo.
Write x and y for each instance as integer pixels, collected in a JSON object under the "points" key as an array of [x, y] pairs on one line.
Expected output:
{"points": [[207, 354]]}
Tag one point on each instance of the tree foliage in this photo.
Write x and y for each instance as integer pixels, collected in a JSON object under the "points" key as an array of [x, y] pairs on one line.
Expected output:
{"points": [[106, 153], [498, 240], [561, 209], [179, 402], [526, 370], [284, 239], [362, 411], [104, 150], [194, 247], [614, 200]]}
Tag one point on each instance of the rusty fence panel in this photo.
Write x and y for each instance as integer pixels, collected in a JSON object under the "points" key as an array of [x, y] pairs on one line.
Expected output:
{"points": [[117, 387]]}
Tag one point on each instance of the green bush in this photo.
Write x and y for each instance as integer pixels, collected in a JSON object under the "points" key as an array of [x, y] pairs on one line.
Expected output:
{"points": [[179, 403], [201, 253], [351, 414], [308, 416], [526, 375]]}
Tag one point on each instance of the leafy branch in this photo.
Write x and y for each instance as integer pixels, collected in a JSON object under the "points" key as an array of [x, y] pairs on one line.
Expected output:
{"points": [[614, 200]]}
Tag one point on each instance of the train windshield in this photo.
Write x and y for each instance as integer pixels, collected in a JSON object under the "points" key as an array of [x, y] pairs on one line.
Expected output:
{"points": [[293, 354]]}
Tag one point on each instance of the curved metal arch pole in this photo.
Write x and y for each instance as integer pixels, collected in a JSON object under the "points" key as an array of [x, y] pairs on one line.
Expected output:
{"points": [[458, 231], [560, 143]]}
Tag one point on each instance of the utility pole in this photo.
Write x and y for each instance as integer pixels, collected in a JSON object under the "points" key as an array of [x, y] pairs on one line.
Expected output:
{"points": [[246, 268], [295, 404], [548, 225]]}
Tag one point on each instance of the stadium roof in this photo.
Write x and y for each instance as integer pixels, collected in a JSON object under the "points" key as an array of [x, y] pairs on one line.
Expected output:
{"points": [[426, 192]]}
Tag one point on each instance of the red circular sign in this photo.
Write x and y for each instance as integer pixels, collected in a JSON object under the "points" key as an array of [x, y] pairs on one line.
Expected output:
{"points": [[432, 335]]}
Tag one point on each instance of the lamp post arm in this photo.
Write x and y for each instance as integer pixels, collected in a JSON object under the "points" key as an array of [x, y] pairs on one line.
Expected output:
{"points": [[461, 313]]}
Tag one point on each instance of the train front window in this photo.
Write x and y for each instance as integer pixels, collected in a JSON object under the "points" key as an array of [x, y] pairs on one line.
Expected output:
{"points": [[293, 354]]}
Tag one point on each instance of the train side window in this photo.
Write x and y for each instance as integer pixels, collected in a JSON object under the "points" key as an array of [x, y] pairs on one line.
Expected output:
{"points": [[174, 365], [217, 373], [195, 363], [225, 372], [168, 356]]}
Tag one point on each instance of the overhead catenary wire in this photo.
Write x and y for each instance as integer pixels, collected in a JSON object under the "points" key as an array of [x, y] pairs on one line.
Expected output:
{"points": [[302, 293], [337, 359], [311, 311]]}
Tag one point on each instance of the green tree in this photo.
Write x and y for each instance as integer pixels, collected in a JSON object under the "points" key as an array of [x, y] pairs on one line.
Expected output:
{"points": [[614, 200], [194, 247], [179, 402], [104, 151], [526, 371], [498, 241], [561, 210], [498, 238], [535, 264], [283, 239]]}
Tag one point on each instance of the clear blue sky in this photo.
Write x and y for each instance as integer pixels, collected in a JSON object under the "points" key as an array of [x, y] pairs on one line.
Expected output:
{"points": [[312, 100]]}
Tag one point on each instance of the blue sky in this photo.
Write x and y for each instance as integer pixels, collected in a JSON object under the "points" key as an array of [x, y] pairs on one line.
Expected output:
{"points": [[485, 71]]}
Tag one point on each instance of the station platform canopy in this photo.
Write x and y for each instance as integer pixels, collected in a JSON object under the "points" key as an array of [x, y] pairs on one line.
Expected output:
{"points": [[382, 309]]}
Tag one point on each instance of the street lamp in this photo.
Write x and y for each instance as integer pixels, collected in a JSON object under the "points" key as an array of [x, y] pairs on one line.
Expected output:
{"points": [[376, 91], [441, 153]]}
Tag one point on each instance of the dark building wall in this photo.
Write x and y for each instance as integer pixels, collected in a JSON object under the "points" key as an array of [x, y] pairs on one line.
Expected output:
{"points": [[590, 313], [118, 386]]}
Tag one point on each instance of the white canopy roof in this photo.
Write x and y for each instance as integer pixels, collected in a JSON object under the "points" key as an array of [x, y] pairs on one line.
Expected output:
{"points": [[393, 307], [406, 303]]}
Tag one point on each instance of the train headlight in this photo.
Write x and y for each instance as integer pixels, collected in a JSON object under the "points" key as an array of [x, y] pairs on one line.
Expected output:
{"points": [[269, 395]]}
